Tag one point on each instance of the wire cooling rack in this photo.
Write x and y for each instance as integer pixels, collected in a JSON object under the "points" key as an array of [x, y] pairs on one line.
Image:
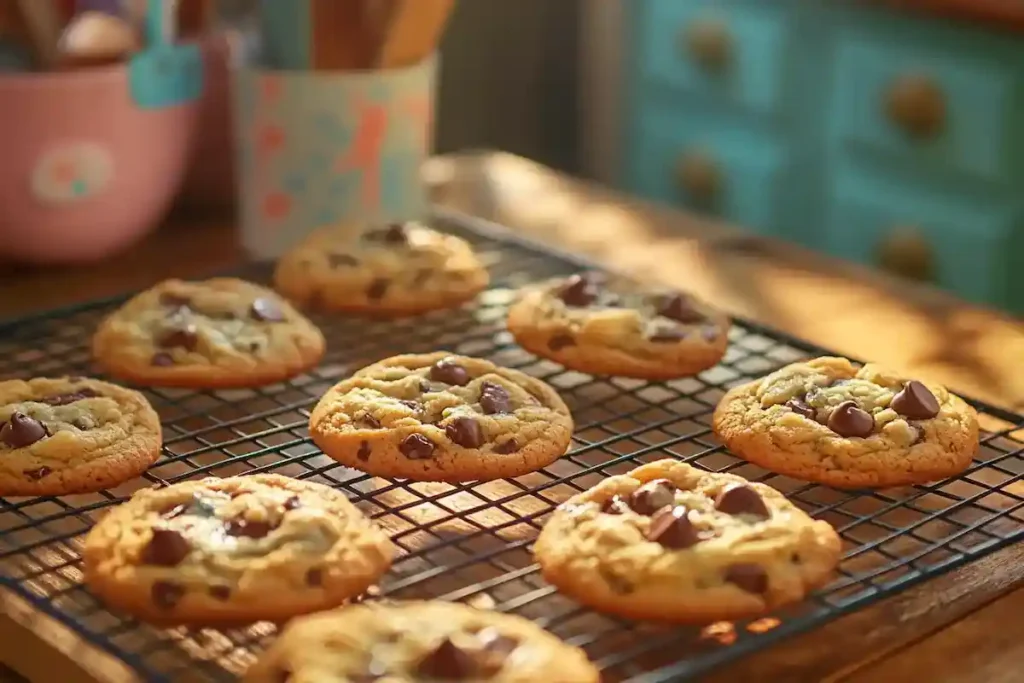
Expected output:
{"points": [[472, 542]]}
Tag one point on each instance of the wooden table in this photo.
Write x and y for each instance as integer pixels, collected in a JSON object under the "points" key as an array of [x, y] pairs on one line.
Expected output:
{"points": [[962, 627]]}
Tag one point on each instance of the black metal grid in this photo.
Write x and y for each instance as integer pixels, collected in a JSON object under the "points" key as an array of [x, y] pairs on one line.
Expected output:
{"points": [[472, 542]]}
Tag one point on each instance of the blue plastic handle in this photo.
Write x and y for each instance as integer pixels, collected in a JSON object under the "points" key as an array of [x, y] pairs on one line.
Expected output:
{"points": [[156, 21]]}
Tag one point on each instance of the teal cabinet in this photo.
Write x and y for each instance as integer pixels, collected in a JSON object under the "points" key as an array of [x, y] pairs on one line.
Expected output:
{"points": [[849, 129]]}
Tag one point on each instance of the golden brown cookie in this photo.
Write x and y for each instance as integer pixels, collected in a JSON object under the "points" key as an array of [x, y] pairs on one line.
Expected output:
{"points": [[217, 333], [73, 435], [828, 421], [233, 551], [440, 417], [670, 542], [606, 325], [419, 641], [393, 270]]}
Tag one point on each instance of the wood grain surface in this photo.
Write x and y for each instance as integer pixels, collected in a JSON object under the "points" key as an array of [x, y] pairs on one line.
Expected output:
{"points": [[962, 627]]}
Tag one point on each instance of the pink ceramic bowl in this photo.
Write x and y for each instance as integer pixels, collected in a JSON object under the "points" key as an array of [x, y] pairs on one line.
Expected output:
{"points": [[83, 171]]}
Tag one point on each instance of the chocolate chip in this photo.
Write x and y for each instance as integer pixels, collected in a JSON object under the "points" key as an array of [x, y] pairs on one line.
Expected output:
{"points": [[20, 430], [506, 447], [283, 676], [199, 506], [342, 260], [83, 422], [801, 408], [166, 594], [220, 592], [579, 290], [247, 528], [162, 360], [166, 548], [494, 399], [849, 420], [377, 289], [915, 401], [652, 496], [364, 451], [667, 335], [65, 399], [391, 234], [740, 499], [680, 308], [421, 277], [413, 405], [561, 341], [266, 311], [616, 505], [495, 648], [174, 300], [315, 577], [465, 432], [449, 372], [749, 577], [672, 528], [37, 474], [185, 337], [370, 421], [417, 447], [447, 662], [293, 503]]}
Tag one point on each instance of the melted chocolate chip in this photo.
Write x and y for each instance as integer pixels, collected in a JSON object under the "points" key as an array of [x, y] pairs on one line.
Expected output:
{"points": [[220, 592], [495, 648], [370, 421], [37, 474], [174, 300], [185, 337], [391, 234], [672, 528], [364, 451], [915, 401], [749, 577], [293, 503], [740, 499], [162, 360], [417, 447], [449, 372], [421, 277], [342, 260], [652, 496], [465, 432], [801, 408], [245, 528], [616, 505], [166, 548], [315, 577], [65, 399], [494, 399], [377, 289], [667, 335], [561, 341], [166, 594], [579, 290], [506, 447], [411, 404], [447, 662], [680, 308], [197, 507], [266, 311], [850, 421], [20, 431]]}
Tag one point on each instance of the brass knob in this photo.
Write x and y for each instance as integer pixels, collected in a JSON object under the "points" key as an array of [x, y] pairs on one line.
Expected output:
{"points": [[905, 251], [699, 176], [709, 43], [916, 104]]}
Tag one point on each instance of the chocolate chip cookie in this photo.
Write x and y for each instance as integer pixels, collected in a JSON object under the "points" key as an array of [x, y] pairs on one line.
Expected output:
{"points": [[233, 551], [605, 325], [419, 641], [828, 421], [218, 333], [439, 417], [391, 270], [73, 435], [670, 542]]}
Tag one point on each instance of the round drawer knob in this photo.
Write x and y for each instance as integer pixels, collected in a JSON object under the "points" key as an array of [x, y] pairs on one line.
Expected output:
{"points": [[905, 251], [699, 176], [916, 104], [709, 43]]}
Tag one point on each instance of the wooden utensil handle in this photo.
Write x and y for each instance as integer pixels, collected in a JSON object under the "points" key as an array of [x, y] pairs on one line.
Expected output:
{"points": [[414, 29]]}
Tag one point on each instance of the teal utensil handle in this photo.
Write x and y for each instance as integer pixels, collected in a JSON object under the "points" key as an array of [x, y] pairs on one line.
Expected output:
{"points": [[158, 21]]}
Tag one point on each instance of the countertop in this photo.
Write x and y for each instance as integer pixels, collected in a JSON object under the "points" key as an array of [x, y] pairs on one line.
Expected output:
{"points": [[961, 627]]}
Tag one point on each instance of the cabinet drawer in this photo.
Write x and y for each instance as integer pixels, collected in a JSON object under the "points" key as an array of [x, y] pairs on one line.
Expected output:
{"points": [[711, 169], [713, 49], [925, 100], [965, 246]]}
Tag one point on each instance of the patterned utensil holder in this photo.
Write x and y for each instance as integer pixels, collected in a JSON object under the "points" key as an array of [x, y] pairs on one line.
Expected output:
{"points": [[318, 147]]}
